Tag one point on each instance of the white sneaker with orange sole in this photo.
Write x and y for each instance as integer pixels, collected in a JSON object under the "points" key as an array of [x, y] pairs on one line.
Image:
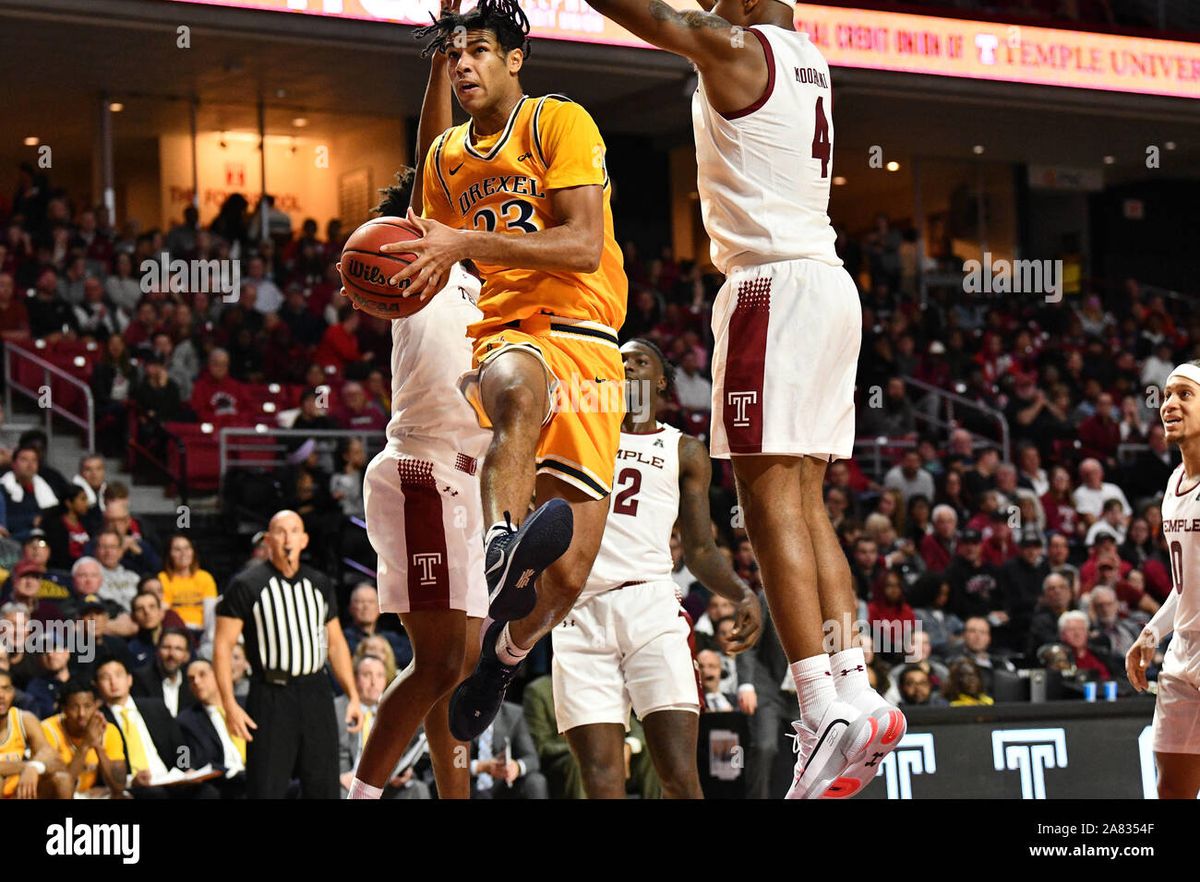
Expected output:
{"points": [[839, 742], [890, 728]]}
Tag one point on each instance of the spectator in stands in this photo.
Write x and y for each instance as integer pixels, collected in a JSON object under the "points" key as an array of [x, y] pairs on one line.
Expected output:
{"points": [[1021, 582], [1030, 473], [181, 240], [718, 608], [113, 380], [339, 346], [307, 329], [953, 495], [981, 477], [555, 759], [1112, 521], [1056, 599], [151, 620], [937, 548], [14, 317], [1100, 433], [95, 318], [163, 676], [867, 567], [87, 579], [363, 611], [206, 734], [358, 413], [504, 761], [53, 675], [159, 400], [977, 647], [137, 549], [66, 533], [217, 394], [965, 687], [15, 620], [916, 688], [377, 646], [93, 480], [1151, 469], [153, 740], [974, 588], [146, 323], [711, 677], [118, 584], [693, 390], [270, 298], [893, 418], [1108, 625], [122, 287], [890, 615], [1089, 664], [93, 618], [1089, 497], [88, 745], [346, 484], [909, 478], [187, 588], [26, 582], [50, 317], [370, 678], [39, 441], [313, 415], [931, 599], [28, 495]]}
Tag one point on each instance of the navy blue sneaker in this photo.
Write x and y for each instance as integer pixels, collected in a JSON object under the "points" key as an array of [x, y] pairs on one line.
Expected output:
{"points": [[515, 558], [477, 699]]}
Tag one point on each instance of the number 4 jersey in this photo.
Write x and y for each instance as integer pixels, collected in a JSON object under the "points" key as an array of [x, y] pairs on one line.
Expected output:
{"points": [[642, 510], [502, 183], [1181, 529], [764, 172]]}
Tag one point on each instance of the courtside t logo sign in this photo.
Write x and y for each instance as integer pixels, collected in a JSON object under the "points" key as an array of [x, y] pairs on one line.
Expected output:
{"points": [[1030, 752], [913, 756]]}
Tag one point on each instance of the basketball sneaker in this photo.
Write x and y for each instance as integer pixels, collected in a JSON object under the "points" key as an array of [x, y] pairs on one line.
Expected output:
{"points": [[890, 728], [477, 700], [824, 754], [515, 558]]}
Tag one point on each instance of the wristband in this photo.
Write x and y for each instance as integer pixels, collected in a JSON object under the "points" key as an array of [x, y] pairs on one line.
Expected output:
{"points": [[37, 766]]}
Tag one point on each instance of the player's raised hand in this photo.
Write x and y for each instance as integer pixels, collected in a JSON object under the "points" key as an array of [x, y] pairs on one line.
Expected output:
{"points": [[438, 249], [747, 626], [1138, 659]]}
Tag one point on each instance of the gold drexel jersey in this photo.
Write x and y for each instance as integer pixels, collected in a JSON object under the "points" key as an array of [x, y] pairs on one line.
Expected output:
{"points": [[501, 183]]}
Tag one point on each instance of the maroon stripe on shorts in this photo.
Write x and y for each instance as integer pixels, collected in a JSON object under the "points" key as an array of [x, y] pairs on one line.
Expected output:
{"points": [[695, 664], [745, 364], [425, 537]]}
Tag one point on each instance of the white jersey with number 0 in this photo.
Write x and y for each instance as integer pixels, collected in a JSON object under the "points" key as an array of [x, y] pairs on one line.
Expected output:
{"points": [[1181, 529], [642, 510], [764, 172]]}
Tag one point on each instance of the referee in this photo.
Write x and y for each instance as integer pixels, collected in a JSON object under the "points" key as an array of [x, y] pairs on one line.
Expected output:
{"points": [[288, 612]]}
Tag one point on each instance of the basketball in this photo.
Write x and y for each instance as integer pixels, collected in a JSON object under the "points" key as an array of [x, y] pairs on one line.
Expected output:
{"points": [[366, 270]]}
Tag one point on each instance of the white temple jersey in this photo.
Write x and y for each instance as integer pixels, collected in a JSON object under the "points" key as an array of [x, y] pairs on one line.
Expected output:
{"points": [[764, 172], [1181, 529], [642, 511], [430, 352]]}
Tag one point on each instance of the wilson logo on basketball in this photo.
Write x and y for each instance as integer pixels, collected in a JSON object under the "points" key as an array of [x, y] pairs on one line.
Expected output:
{"points": [[372, 275]]}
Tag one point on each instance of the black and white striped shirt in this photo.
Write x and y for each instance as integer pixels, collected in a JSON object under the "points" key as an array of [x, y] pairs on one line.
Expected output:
{"points": [[283, 619]]}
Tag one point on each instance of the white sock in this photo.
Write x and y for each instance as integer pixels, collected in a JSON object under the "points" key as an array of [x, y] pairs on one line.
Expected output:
{"points": [[362, 790], [814, 688], [507, 651], [849, 673]]}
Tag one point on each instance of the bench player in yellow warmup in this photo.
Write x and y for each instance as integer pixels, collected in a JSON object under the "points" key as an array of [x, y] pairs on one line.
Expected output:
{"points": [[522, 191]]}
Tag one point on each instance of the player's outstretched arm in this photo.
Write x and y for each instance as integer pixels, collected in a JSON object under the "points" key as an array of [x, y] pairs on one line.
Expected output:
{"points": [[437, 113], [704, 38], [700, 552]]}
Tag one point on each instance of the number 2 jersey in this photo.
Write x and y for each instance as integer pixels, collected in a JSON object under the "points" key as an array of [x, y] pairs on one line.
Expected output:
{"points": [[1181, 529], [502, 183], [643, 507], [763, 173]]}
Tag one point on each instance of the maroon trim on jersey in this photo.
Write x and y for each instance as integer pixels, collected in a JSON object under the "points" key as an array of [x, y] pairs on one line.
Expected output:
{"points": [[742, 415], [657, 431], [424, 534], [762, 99], [1179, 484]]}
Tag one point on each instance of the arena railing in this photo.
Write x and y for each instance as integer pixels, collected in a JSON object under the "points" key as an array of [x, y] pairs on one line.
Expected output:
{"points": [[86, 421], [951, 400], [235, 453]]}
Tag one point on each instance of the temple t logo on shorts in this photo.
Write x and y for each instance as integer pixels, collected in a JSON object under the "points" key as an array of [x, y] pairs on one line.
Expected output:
{"points": [[427, 561], [740, 401]]}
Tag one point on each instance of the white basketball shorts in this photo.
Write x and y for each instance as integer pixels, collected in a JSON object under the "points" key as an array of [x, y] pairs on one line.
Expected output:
{"points": [[1177, 710], [425, 521], [787, 337], [625, 648]]}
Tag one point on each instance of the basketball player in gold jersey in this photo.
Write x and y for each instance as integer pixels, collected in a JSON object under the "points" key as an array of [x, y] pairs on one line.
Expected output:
{"points": [[521, 190], [39, 775]]}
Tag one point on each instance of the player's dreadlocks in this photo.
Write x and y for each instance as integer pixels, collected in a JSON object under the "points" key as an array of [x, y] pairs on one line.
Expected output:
{"points": [[505, 18], [668, 369], [395, 197]]}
